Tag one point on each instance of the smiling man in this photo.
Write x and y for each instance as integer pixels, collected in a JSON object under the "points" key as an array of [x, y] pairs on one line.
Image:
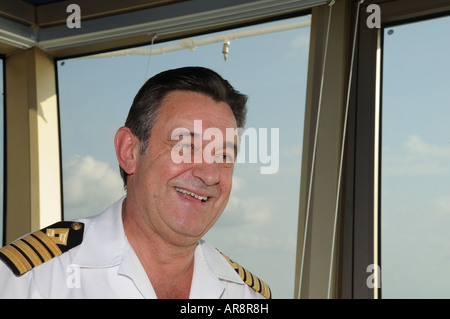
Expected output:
{"points": [[176, 159]]}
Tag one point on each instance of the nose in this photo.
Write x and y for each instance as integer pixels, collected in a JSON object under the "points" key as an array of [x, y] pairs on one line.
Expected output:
{"points": [[207, 172]]}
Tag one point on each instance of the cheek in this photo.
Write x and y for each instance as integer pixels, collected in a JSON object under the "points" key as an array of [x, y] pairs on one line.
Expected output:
{"points": [[226, 181], [157, 168]]}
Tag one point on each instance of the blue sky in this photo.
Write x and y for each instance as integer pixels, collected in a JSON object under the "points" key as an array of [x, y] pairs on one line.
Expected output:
{"points": [[416, 161]]}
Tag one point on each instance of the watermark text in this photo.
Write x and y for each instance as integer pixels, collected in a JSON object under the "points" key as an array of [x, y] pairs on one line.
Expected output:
{"points": [[235, 145], [374, 18], [374, 279], [74, 19]]}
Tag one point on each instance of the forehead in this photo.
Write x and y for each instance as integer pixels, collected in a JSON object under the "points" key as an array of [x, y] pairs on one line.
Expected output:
{"points": [[182, 108]]}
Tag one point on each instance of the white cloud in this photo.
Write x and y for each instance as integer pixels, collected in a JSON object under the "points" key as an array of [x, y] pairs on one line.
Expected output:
{"points": [[442, 205], [298, 44], [257, 242], [294, 150], [244, 208], [301, 40], [416, 157], [90, 186], [251, 211], [238, 183], [417, 146]]}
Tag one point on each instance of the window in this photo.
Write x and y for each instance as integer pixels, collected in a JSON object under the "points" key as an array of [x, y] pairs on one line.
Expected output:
{"points": [[415, 211], [259, 225]]}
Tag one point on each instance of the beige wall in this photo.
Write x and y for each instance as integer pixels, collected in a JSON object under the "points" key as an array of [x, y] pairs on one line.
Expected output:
{"points": [[33, 192]]}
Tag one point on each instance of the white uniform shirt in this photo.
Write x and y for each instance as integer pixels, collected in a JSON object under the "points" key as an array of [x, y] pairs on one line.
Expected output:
{"points": [[105, 265]]}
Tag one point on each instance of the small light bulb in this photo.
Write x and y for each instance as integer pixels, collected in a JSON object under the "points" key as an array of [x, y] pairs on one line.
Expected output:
{"points": [[226, 49]]}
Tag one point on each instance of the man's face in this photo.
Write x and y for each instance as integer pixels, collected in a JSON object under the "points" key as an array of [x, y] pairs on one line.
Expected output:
{"points": [[184, 199]]}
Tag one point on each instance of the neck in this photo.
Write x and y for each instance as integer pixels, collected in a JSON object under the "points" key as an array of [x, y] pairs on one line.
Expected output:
{"points": [[163, 261]]}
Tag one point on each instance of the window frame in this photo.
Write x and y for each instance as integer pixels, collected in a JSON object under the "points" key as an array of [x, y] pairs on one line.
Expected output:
{"points": [[3, 194]]}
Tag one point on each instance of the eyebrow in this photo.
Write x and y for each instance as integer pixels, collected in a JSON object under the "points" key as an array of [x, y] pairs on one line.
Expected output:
{"points": [[194, 135]]}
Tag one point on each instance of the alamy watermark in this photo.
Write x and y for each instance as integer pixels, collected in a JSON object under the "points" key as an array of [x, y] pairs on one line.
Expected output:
{"points": [[257, 139], [73, 279], [74, 19], [374, 18], [237, 146], [374, 279]]}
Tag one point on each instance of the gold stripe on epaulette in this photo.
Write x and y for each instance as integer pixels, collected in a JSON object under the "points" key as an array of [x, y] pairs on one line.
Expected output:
{"points": [[265, 290], [41, 250], [48, 242], [251, 280], [41, 246], [16, 257], [32, 256], [255, 282]]}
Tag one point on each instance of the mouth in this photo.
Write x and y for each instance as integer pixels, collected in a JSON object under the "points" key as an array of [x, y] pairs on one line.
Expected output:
{"points": [[202, 199]]}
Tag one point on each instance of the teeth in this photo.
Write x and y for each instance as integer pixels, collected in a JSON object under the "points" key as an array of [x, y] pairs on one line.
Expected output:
{"points": [[201, 198]]}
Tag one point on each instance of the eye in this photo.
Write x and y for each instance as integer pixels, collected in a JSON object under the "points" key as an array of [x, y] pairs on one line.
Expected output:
{"points": [[226, 158], [187, 146], [189, 149], [184, 149]]}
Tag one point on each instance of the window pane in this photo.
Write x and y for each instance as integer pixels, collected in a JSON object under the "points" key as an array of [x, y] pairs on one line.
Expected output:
{"points": [[259, 226], [416, 161]]}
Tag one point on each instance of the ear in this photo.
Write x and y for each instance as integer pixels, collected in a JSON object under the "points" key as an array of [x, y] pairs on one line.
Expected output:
{"points": [[127, 146]]}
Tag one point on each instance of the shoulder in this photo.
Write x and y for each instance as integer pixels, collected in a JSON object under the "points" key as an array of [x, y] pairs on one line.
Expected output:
{"points": [[52, 242], [237, 271], [250, 279], [41, 246]]}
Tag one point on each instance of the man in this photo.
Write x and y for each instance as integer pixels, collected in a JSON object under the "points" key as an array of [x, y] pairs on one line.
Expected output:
{"points": [[148, 244]]}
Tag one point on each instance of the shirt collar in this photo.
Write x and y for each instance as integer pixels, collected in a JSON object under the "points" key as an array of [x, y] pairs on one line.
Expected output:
{"points": [[210, 270], [104, 239], [132, 268], [216, 263]]}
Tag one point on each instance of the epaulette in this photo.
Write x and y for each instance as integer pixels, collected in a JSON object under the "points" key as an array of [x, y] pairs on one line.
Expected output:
{"points": [[36, 248], [251, 280]]}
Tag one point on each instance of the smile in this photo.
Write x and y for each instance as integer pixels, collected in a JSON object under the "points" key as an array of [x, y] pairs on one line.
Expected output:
{"points": [[203, 199]]}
